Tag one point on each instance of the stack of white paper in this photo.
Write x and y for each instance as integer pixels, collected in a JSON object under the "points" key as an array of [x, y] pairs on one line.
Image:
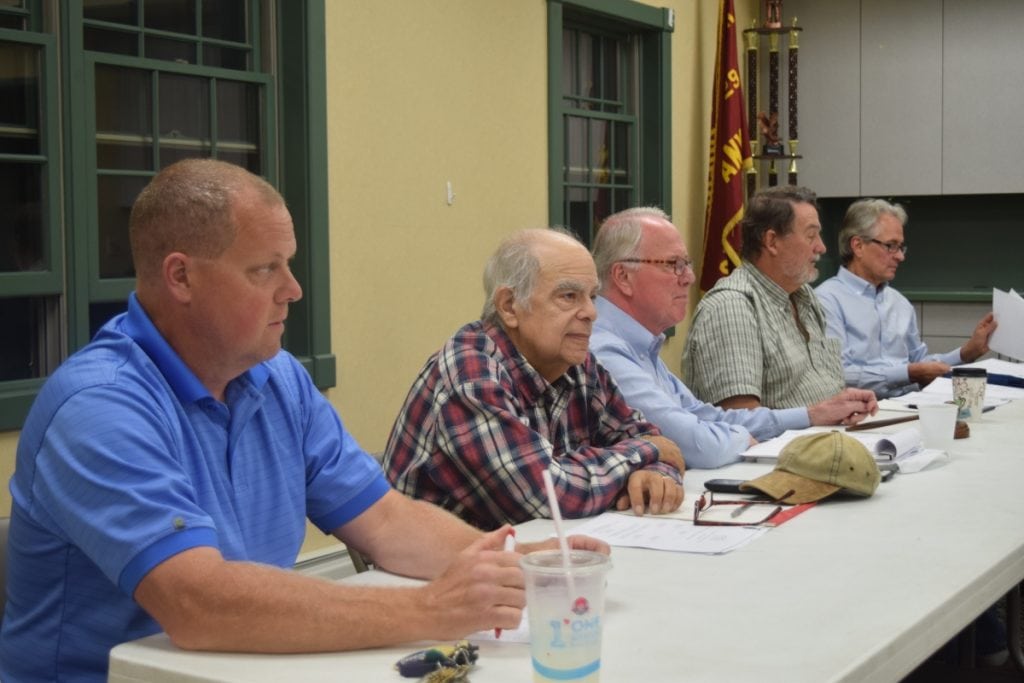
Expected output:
{"points": [[904, 448]]}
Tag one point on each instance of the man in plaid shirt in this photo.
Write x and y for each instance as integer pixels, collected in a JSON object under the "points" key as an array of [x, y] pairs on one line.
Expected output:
{"points": [[518, 392]]}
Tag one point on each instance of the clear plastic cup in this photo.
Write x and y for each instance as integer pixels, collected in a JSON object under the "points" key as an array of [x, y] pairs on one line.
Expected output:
{"points": [[565, 629]]}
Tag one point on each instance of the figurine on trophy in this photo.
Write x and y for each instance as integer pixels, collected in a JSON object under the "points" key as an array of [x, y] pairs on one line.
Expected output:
{"points": [[770, 130], [773, 14]]}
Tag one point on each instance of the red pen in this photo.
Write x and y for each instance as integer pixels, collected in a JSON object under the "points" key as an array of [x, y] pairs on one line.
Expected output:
{"points": [[510, 545]]}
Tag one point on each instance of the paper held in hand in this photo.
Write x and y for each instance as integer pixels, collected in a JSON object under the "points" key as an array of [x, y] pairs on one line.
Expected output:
{"points": [[1008, 338]]}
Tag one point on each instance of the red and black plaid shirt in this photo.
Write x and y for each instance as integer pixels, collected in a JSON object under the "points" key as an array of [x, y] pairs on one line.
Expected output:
{"points": [[480, 425]]}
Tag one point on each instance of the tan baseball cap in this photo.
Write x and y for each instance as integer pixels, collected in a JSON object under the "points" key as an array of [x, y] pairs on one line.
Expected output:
{"points": [[815, 466]]}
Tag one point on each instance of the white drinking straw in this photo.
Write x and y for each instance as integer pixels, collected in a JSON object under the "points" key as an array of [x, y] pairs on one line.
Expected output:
{"points": [[556, 516]]}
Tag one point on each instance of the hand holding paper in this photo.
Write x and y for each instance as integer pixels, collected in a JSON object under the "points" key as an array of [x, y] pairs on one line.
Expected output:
{"points": [[1008, 338]]}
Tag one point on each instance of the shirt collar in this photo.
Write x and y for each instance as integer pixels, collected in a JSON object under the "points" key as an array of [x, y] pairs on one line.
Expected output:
{"points": [[859, 284], [638, 337], [770, 287], [524, 375], [186, 386]]}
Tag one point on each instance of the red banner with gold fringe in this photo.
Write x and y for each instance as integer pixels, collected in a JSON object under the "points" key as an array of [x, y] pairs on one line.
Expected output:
{"points": [[730, 157]]}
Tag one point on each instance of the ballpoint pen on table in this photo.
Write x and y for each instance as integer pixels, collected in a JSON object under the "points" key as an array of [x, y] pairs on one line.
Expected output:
{"points": [[510, 545], [881, 423]]}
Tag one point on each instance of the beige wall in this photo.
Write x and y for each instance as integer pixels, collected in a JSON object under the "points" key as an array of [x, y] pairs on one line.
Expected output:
{"points": [[464, 98], [422, 93]]}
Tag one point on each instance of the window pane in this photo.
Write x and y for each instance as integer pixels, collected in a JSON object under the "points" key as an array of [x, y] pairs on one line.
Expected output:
{"points": [[225, 20], [113, 42], [590, 65], [623, 199], [114, 11], [115, 195], [124, 115], [170, 50], [22, 230], [12, 21], [610, 72], [184, 118], [19, 99], [238, 124], [576, 149], [238, 112], [101, 312], [225, 57], [178, 16], [578, 213], [600, 154], [602, 198], [600, 150], [33, 351], [568, 62], [170, 153], [621, 158], [247, 160]]}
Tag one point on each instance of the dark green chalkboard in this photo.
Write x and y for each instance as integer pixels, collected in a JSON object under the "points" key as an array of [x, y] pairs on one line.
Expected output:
{"points": [[960, 246]]}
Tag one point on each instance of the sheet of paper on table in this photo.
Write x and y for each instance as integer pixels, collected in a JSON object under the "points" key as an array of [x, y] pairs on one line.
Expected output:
{"points": [[941, 391], [661, 533]]}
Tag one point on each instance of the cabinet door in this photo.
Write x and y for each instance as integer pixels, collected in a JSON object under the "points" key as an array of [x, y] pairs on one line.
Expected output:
{"points": [[829, 95], [983, 100], [901, 97]]}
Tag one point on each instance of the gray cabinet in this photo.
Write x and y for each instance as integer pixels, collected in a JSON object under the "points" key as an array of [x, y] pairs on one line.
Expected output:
{"points": [[983, 97], [900, 97], [911, 97], [829, 78]]}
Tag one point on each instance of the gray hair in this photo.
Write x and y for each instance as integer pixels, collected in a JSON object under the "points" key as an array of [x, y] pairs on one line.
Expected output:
{"points": [[771, 209], [861, 220], [188, 207], [515, 265], [619, 238]]}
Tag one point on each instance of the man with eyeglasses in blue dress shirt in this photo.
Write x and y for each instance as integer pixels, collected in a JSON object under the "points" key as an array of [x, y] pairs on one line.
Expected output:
{"points": [[646, 274], [882, 347]]}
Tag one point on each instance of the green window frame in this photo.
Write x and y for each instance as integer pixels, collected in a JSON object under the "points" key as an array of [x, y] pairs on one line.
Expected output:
{"points": [[75, 293], [38, 287], [610, 143]]}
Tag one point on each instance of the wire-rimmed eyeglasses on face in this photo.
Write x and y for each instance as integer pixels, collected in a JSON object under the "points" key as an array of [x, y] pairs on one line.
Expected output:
{"points": [[891, 247], [678, 265], [710, 512]]}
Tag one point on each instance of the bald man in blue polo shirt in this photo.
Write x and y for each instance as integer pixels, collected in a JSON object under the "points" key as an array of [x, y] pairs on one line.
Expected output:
{"points": [[166, 470]]}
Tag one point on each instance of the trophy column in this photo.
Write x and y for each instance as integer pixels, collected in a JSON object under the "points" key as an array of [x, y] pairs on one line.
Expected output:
{"points": [[794, 139], [766, 145], [773, 147], [750, 39]]}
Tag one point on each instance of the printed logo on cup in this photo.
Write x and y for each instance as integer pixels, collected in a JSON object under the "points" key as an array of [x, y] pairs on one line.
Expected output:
{"points": [[575, 632]]}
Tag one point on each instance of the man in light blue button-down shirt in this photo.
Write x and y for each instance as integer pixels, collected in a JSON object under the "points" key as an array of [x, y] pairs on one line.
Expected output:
{"points": [[877, 326], [645, 275]]}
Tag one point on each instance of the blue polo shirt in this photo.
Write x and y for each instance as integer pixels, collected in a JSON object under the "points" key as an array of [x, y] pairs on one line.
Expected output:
{"points": [[126, 460]]}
